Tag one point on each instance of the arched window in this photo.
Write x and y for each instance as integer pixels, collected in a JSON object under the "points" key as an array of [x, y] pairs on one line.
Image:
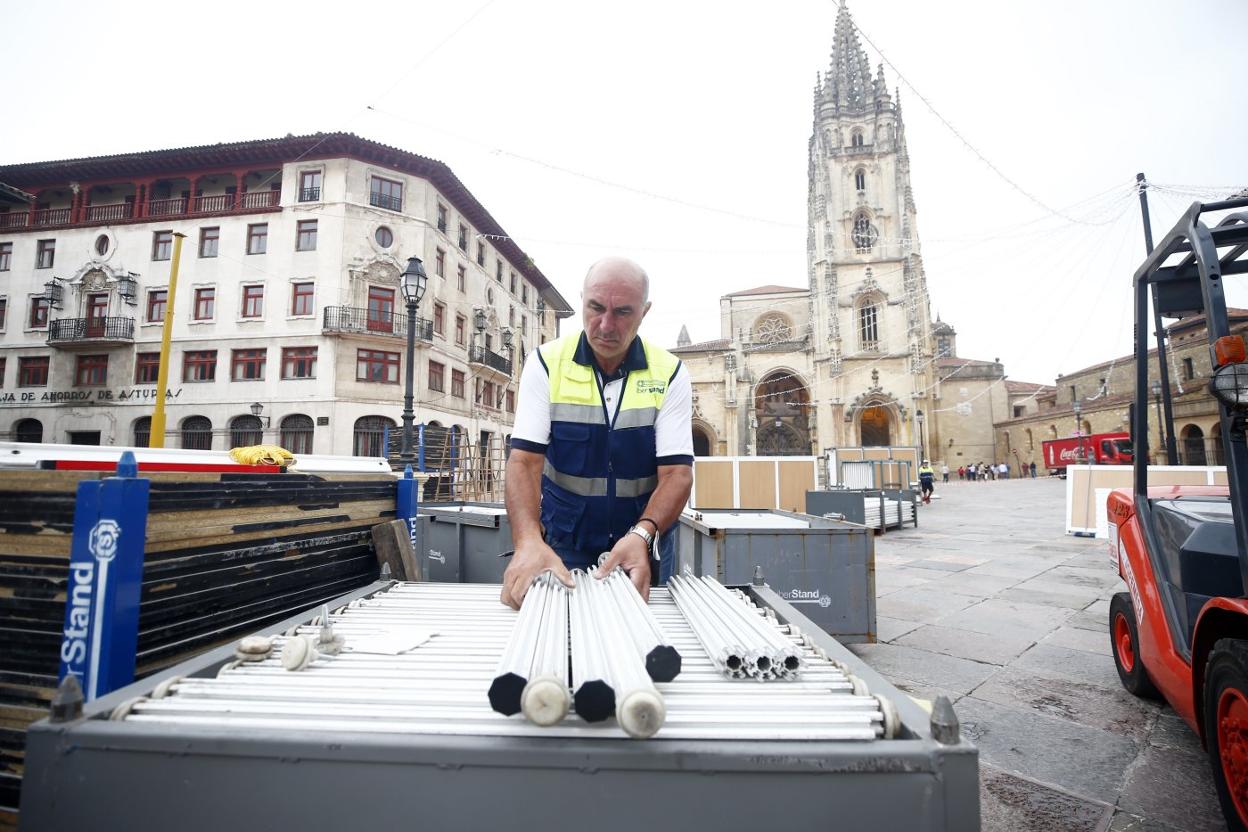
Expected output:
{"points": [[296, 433], [1031, 445], [28, 430], [1053, 431], [372, 434], [246, 430], [869, 326], [865, 234], [197, 433], [1192, 440], [855, 138], [142, 431], [860, 180]]}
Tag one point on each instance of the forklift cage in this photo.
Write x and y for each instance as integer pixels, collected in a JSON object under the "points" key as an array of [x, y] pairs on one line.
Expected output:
{"points": [[1187, 287]]}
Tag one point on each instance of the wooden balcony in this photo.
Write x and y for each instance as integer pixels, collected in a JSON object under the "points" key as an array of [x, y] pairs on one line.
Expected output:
{"points": [[128, 212]]}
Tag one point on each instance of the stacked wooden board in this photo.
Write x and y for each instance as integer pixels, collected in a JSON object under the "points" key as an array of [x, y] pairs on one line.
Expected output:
{"points": [[224, 554]]}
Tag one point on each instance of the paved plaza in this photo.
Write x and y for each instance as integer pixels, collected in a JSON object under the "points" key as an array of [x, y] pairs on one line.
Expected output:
{"points": [[989, 602]]}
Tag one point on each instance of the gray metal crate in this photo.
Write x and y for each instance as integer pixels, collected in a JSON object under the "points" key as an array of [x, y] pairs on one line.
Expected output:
{"points": [[460, 542], [827, 567], [101, 774], [879, 508]]}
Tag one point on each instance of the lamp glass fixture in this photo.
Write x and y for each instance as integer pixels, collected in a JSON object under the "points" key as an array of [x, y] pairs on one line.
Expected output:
{"points": [[256, 408], [414, 280]]}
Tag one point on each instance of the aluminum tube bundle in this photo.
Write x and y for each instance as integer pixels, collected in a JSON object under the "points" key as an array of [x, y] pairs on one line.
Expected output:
{"points": [[727, 654], [639, 708], [532, 642], [661, 658], [763, 653], [592, 693], [786, 660]]}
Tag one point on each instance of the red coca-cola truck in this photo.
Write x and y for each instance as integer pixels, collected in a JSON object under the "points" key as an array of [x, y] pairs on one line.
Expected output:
{"points": [[1098, 449]]}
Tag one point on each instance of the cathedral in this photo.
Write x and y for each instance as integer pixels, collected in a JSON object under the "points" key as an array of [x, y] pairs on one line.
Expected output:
{"points": [[853, 357]]}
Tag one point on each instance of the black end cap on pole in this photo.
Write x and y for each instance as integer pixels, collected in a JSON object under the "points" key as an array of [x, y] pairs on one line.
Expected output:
{"points": [[663, 663], [505, 692], [67, 701], [594, 701]]}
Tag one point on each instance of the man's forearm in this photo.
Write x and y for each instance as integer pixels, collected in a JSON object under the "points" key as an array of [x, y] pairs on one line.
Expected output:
{"points": [[524, 495], [671, 495]]}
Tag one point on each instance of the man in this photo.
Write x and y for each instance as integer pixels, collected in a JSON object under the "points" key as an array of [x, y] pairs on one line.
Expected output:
{"points": [[602, 449], [944, 471], [927, 480]]}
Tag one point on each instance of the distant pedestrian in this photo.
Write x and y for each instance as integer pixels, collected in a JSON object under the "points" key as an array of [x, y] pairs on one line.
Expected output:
{"points": [[944, 471], [927, 479], [970, 472], [1005, 470], [961, 472], [1033, 470]]}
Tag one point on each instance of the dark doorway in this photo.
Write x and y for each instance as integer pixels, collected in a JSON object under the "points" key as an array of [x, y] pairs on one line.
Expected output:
{"points": [[701, 443], [874, 427]]}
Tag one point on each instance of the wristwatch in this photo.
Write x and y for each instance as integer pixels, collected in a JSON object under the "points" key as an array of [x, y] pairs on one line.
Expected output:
{"points": [[640, 531]]}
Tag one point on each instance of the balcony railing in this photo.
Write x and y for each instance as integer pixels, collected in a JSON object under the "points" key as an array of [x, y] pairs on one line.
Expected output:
{"points": [[489, 358], [126, 211], [260, 199], [390, 203], [109, 213], [166, 207], [360, 321], [90, 330], [309, 194]]}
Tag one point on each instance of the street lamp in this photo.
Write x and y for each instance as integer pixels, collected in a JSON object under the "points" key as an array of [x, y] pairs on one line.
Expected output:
{"points": [[414, 282], [918, 417], [256, 409], [1078, 408]]}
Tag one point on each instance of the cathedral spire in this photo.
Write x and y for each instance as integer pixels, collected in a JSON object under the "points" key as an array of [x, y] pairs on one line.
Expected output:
{"points": [[848, 83], [683, 340]]}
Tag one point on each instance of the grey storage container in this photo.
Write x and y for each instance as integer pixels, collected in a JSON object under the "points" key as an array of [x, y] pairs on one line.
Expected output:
{"points": [[883, 509], [120, 774], [462, 542], [824, 567]]}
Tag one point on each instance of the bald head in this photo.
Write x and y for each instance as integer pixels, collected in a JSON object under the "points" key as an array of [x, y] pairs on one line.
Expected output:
{"points": [[619, 269], [614, 302]]}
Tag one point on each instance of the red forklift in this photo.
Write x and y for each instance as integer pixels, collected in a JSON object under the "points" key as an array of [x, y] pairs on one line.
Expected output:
{"points": [[1181, 631]]}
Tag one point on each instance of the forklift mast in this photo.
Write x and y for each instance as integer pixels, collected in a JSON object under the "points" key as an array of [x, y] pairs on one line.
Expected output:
{"points": [[1183, 276]]}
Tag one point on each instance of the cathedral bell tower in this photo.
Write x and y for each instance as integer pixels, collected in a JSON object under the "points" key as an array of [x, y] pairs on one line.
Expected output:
{"points": [[869, 305]]}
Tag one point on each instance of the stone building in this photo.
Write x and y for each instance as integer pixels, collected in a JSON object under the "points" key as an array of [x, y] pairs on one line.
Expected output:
{"points": [[851, 358], [288, 297], [1105, 391], [847, 358]]}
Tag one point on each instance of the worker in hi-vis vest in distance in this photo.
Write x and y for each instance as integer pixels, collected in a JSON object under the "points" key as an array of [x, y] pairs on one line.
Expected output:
{"points": [[602, 449]]}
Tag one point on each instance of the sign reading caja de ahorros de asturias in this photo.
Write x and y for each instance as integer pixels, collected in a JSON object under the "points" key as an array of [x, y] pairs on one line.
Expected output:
{"points": [[127, 395], [105, 575]]}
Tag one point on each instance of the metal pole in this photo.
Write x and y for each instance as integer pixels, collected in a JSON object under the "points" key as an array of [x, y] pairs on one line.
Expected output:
{"points": [[1163, 369], [156, 437], [408, 414]]}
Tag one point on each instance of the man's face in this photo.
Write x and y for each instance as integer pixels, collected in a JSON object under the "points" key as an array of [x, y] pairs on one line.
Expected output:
{"points": [[613, 311]]}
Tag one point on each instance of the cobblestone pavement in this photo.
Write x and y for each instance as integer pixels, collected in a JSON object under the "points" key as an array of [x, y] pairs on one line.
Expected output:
{"points": [[989, 602]]}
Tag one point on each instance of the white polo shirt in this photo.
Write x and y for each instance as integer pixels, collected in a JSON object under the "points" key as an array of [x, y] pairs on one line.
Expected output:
{"points": [[673, 427]]}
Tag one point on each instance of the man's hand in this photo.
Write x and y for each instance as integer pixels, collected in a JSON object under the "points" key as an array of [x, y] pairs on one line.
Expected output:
{"points": [[530, 560], [631, 553]]}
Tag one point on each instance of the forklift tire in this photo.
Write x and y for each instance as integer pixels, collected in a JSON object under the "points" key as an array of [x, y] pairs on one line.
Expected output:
{"points": [[1124, 642], [1226, 727]]}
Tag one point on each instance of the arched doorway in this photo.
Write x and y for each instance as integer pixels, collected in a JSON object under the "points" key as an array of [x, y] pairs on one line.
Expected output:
{"points": [[781, 404], [701, 441], [1215, 439], [28, 430], [295, 434], [1193, 439], [245, 431], [874, 426], [197, 433]]}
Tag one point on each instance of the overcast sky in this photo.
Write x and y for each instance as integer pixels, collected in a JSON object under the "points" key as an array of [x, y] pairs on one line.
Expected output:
{"points": [[675, 131]]}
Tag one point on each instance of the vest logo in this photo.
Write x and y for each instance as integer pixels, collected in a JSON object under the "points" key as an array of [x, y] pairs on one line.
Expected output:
{"points": [[651, 386]]}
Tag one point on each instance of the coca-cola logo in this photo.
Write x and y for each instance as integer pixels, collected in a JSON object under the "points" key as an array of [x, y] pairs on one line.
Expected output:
{"points": [[1068, 455]]}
